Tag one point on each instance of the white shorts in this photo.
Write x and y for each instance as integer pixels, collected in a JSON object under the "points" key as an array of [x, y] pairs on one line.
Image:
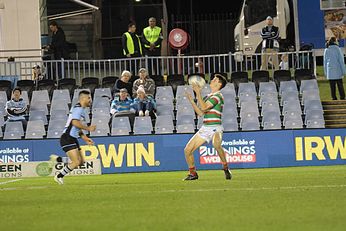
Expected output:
{"points": [[207, 132]]}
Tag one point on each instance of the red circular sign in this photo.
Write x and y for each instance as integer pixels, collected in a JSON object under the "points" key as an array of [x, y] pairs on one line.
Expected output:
{"points": [[178, 38]]}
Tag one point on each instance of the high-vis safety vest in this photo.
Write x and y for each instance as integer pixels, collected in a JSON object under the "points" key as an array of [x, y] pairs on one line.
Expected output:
{"points": [[130, 45], [152, 35]]}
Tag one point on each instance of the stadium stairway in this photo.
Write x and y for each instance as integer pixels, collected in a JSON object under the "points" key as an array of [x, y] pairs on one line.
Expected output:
{"points": [[334, 113]]}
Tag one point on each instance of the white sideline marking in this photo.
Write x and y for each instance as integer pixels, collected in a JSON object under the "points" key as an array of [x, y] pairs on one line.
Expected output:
{"points": [[253, 189], [10, 181]]}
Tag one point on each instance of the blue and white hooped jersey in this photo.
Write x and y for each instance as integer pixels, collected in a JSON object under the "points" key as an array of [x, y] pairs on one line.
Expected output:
{"points": [[76, 113]]}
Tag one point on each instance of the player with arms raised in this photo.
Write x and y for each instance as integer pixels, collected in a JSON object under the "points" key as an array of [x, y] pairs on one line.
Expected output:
{"points": [[72, 131], [211, 130]]}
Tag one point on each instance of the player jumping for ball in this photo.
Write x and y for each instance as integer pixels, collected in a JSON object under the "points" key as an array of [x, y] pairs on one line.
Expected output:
{"points": [[72, 131], [211, 110]]}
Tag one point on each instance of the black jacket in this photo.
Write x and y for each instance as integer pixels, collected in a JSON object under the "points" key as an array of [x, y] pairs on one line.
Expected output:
{"points": [[270, 37], [59, 45], [119, 84]]}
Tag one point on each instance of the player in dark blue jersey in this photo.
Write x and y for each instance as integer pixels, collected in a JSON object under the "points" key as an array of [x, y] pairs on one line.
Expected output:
{"points": [[69, 138]]}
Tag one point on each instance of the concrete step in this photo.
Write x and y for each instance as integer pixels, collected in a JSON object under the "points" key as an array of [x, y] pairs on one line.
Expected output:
{"points": [[335, 125], [334, 106], [333, 102], [334, 111], [338, 121], [334, 116]]}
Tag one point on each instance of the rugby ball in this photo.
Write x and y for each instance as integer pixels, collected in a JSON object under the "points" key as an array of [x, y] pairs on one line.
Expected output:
{"points": [[196, 79]]}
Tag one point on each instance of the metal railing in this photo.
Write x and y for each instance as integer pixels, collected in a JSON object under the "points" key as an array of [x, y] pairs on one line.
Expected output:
{"points": [[168, 65]]}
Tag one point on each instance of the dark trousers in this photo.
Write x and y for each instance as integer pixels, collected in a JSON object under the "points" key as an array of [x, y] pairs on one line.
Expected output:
{"points": [[341, 89], [154, 66]]}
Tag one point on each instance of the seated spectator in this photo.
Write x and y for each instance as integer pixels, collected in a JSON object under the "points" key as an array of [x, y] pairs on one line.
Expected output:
{"points": [[16, 108], [145, 81], [37, 73], [122, 105], [284, 62], [123, 82], [144, 104]]}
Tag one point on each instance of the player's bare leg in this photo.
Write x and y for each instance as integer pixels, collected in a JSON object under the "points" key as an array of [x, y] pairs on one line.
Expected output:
{"points": [[195, 142], [217, 141], [76, 160]]}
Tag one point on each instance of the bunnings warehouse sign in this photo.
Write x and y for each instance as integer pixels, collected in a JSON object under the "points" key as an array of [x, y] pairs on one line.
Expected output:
{"points": [[258, 149], [44, 168]]}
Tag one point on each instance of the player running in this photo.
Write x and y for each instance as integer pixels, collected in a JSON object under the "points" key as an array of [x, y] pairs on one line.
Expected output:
{"points": [[211, 109], [72, 131]]}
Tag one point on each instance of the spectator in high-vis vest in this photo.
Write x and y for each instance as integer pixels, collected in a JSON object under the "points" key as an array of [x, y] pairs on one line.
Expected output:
{"points": [[152, 39], [132, 46], [270, 44]]}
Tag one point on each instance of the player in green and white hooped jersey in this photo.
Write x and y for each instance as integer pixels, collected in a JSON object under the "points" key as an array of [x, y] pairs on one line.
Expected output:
{"points": [[211, 109]]}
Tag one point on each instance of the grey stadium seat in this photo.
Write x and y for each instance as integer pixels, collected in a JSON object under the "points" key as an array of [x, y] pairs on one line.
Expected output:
{"points": [[186, 128], [164, 91], [271, 125], [164, 124], [120, 126], [266, 87], [250, 126], [229, 89], [101, 92], [288, 86], [315, 123], [308, 84], [291, 124], [41, 96], [14, 130], [142, 125], [62, 94], [313, 115], [38, 115], [292, 116], [247, 88], [55, 128], [35, 130], [313, 105]]}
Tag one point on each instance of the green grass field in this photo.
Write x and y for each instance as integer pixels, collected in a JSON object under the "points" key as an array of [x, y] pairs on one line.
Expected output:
{"points": [[297, 198]]}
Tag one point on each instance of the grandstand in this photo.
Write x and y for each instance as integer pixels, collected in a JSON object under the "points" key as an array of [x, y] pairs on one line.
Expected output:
{"points": [[256, 103]]}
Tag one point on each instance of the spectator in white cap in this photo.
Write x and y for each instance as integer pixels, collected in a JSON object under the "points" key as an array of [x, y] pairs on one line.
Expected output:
{"points": [[270, 44], [144, 104], [145, 81]]}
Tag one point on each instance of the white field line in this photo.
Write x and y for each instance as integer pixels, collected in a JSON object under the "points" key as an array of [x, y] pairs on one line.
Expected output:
{"points": [[192, 190], [253, 189], [10, 181]]}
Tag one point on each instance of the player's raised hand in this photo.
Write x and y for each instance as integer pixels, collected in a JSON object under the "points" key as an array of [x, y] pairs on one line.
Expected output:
{"points": [[196, 88], [92, 128], [189, 96]]}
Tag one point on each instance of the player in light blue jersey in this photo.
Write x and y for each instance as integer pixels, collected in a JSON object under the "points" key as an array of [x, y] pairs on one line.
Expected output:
{"points": [[69, 138]]}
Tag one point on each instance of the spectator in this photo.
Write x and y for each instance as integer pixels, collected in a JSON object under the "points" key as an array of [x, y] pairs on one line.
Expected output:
{"points": [[270, 44], [284, 62], [58, 44], [145, 105], [37, 73], [132, 46], [16, 108], [152, 39], [334, 67], [145, 81], [123, 82], [122, 105]]}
